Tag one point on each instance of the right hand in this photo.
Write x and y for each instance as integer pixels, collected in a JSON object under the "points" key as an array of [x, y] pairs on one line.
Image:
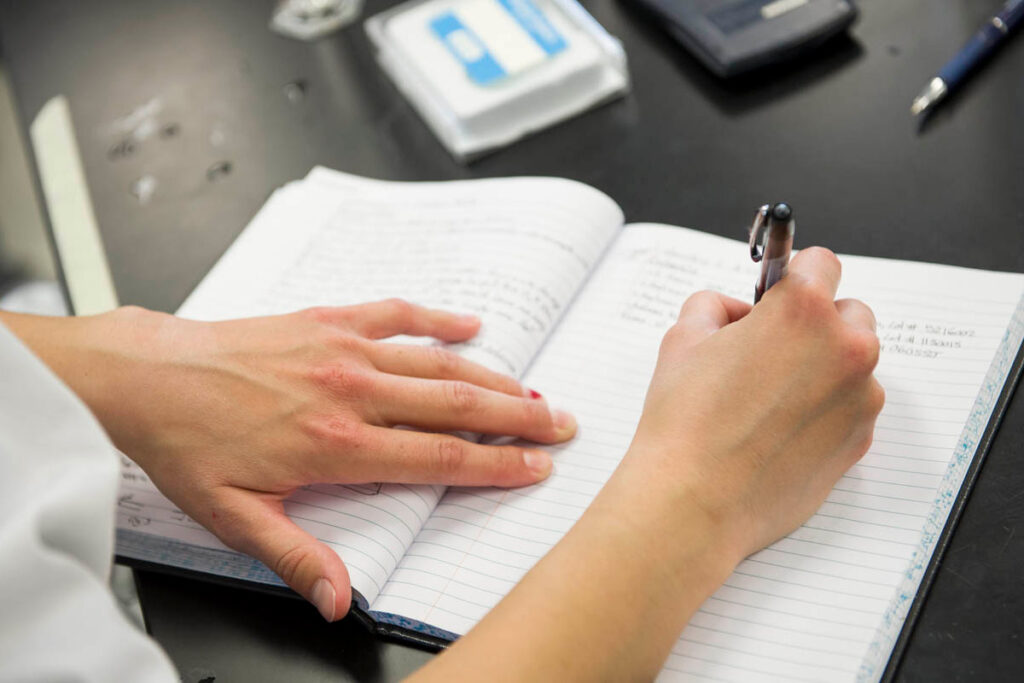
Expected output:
{"points": [[753, 415]]}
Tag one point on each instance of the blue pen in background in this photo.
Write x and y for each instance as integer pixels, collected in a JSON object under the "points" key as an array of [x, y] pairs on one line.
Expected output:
{"points": [[984, 43]]}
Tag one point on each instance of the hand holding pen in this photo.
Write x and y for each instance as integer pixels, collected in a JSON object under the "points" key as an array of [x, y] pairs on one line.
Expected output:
{"points": [[771, 242]]}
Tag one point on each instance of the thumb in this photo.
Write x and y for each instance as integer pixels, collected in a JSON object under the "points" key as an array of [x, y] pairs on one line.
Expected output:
{"points": [[257, 525]]}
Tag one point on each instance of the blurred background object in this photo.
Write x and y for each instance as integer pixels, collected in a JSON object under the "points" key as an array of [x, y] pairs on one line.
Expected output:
{"points": [[733, 37], [28, 280], [311, 19]]}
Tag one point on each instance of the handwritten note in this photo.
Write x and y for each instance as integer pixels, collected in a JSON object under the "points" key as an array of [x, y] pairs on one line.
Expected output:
{"points": [[823, 603], [513, 251]]}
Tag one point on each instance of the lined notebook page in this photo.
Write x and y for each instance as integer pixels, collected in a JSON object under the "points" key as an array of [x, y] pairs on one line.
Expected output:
{"points": [[514, 251], [809, 606]]}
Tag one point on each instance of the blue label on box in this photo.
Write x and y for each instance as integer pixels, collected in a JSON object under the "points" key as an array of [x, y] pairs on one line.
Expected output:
{"points": [[466, 46], [536, 24], [479, 34]]}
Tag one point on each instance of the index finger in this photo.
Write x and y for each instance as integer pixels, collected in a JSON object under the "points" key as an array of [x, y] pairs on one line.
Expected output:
{"points": [[382, 319], [819, 267], [706, 312], [435, 362]]}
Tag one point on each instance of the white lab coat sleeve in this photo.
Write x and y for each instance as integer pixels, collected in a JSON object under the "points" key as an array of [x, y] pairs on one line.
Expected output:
{"points": [[58, 487]]}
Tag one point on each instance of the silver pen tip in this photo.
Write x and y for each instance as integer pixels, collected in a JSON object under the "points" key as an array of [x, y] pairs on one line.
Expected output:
{"points": [[932, 93]]}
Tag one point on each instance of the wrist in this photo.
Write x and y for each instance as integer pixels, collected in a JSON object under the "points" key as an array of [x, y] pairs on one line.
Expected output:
{"points": [[668, 515], [54, 340], [101, 358]]}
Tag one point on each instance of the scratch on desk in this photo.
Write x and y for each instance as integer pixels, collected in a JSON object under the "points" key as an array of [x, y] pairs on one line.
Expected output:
{"points": [[1009, 537], [960, 576]]}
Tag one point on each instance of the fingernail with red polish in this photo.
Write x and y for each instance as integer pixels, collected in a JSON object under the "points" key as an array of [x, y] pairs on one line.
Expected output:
{"points": [[538, 462], [324, 597]]}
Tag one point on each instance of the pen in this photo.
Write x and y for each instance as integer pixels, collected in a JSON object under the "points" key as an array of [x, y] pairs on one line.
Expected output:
{"points": [[984, 43], [771, 241]]}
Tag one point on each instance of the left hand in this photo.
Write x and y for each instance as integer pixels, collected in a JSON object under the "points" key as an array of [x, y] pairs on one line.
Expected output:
{"points": [[229, 418]]}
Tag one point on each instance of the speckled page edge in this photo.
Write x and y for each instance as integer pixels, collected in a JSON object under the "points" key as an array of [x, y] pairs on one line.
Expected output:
{"points": [[952, 491]]}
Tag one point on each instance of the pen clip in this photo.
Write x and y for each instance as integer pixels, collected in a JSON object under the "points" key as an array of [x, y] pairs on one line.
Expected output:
{"points": [[757, 231]]}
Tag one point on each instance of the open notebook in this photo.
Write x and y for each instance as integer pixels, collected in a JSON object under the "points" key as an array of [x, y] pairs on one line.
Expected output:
{"points": [[576, 303]]}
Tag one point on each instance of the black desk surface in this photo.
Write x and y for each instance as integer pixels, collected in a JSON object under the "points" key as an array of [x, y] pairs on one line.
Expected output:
{"points": [[832, 137]]}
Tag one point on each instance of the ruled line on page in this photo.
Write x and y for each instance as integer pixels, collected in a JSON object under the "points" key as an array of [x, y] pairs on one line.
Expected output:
{"points": [[515, 251], [605, 348]]}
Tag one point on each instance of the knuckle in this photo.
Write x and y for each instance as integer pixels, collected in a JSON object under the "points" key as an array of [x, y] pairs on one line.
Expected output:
{"points": [[535, 413], [826, 255], [876, 399], [130, 311], [821, 252], [144, 319], [810, 314], [870, 312], [674, 336], [445, 363], [511, 386], [507, 463], [288, 564], [461, 397], [340, 379], [399, 309], [861, 353], [808, 304], [872, 350], [342, 342], [863, 443], [320, 314], [336, 432], [451, 455], [697, 298]]}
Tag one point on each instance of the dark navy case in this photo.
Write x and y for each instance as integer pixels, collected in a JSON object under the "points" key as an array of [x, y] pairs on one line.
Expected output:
{"points": [[736, 36]]}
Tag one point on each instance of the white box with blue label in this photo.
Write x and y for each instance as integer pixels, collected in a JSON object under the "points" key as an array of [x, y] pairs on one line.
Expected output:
{"points": [[483, 73]]}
